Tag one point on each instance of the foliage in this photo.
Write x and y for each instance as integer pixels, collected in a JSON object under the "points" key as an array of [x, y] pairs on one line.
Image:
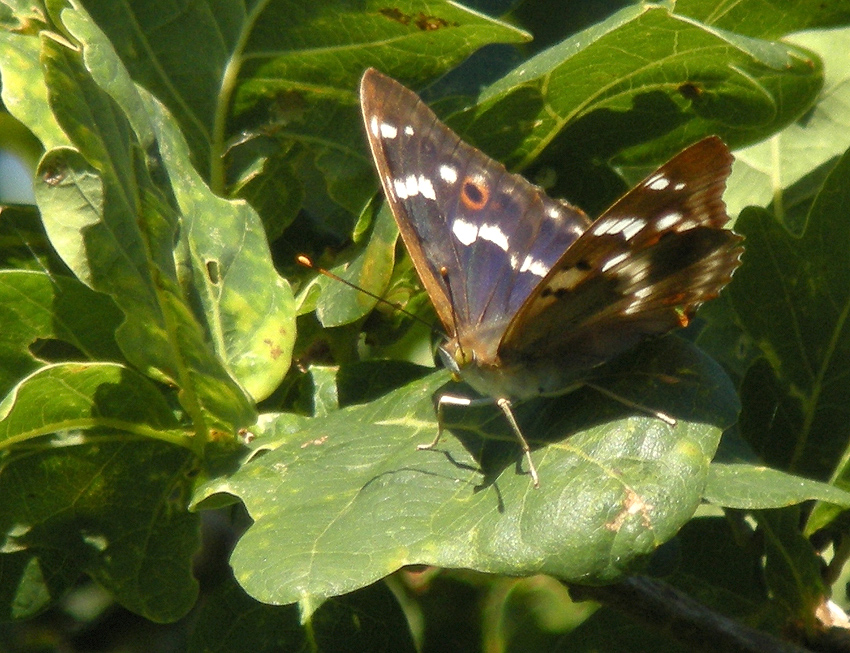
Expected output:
{"points": [[165, 364]]}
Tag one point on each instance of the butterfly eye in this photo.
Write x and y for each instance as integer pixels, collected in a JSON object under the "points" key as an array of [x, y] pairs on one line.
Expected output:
{"points": [[474, 195]]}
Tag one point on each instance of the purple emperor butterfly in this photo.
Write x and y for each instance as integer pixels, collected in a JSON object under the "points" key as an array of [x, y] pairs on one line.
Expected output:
{"points": [[532, 293]]}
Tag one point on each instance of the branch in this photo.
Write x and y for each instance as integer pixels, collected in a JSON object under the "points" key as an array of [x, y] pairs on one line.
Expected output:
{"points": [[662, 607]]}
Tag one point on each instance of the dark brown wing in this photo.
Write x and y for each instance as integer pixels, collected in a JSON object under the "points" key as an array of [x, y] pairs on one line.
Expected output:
{"points": [[641, 269]]}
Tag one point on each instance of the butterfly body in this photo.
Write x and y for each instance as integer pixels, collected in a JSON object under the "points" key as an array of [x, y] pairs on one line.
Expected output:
{"points": [[532, 293]]}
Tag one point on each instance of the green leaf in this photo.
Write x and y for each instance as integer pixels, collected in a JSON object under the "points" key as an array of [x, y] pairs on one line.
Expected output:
{"points": [[370, 270], [792, 567], [84, 396], [24, 90], [35, 307], [354, 500], [766, 18], [749, 487], [119, 515], [247, 308], [792, 298], [641, 84], [787, 170]]}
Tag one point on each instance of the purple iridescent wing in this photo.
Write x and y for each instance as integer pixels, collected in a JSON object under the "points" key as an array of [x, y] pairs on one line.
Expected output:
{"points": [[481, 239], [641, 269]]}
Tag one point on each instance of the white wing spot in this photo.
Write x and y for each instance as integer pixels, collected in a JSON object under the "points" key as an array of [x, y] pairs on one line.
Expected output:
{"points": [[492, 233], [388, 130], [667, 221], [426, 188], [568, 279], [554, 213], [614, 261], [400, 189], [630, 231], [657, 182], [643, 293], [448, 174], [627, 226], [409, 130], [634, 273], [465, 232], [535, 266], [633, 307], [373, 126], [412, 186], [679, 186]]}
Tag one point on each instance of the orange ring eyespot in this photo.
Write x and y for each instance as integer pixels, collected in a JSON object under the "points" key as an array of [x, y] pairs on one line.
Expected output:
{"points": [[474, 195]]}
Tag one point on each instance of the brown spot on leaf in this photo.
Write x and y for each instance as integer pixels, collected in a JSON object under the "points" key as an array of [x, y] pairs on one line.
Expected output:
{"points": [[396, 14], [633, 504], [425, 22], [431, 23], [690, 91], [314, 443]]}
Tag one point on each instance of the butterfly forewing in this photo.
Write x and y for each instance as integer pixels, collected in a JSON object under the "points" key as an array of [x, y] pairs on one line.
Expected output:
{"points": [[641, 269], [481, 238]]}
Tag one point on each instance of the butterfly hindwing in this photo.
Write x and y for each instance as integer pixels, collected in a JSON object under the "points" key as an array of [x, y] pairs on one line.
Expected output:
{"points": [[641, 269], [481, 238]]}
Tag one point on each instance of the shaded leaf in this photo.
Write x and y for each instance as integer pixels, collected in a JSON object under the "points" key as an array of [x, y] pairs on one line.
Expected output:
{"points": [[792, 568], [370, 270], [367, 620], [35, 307], [120, 517], [792, 298], [86, 395]]}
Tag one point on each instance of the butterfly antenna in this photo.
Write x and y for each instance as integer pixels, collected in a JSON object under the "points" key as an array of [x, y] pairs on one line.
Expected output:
{"points": [[305, 261]]}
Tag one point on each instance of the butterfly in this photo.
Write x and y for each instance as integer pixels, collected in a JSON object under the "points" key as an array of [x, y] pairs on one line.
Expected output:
{"points": [[532, 293]]}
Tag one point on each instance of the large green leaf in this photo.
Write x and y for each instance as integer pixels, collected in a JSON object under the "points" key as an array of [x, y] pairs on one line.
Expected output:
{"points": [[247, 308], [792, 298], [349, 499], [284, 72], [641, 84]]}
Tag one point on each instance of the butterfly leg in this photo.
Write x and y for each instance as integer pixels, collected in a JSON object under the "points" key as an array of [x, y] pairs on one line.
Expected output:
{"points": [[505, 406], [444, 400], [664, 417]]}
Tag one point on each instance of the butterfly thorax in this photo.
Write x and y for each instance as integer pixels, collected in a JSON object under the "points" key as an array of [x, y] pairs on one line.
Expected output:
{"points": [[511, 379]]}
